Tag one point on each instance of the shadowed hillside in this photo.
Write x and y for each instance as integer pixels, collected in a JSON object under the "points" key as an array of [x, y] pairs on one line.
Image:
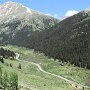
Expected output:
{"points": [[68, 41]]}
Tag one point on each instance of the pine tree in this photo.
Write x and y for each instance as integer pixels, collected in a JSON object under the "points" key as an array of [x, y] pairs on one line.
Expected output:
{"points": [[10, 64], [2, 60], [19, 67]]}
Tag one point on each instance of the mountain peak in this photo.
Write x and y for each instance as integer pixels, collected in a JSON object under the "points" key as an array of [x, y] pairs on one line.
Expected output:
{"points": [[13, 8], [10, 3], [14, 12]]}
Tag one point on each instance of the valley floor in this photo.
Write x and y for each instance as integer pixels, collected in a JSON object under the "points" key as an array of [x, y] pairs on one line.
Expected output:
{"points": [[31, 78]]}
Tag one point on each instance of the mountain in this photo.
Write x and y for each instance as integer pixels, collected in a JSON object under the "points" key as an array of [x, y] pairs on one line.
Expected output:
{"points": [[68, 41], [17, 22]]}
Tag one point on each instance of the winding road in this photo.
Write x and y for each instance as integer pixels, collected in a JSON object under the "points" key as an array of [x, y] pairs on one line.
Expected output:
{"points": [[72, 83]]}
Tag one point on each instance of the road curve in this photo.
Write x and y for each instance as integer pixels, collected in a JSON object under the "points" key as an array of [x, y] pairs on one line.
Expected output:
{"points": [[72, 83]]}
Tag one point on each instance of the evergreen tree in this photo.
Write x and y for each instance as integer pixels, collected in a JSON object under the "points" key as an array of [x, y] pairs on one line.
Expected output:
{"points": [[2, 60], [19, 67], [10, 64]]}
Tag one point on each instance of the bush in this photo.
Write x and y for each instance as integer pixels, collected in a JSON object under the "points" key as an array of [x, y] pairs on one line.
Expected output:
{"points": [[2, 60], [10, 64], [19, 67], [6, 64]]}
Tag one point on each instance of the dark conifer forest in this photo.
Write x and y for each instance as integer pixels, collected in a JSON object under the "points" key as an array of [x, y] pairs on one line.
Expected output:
{"points": [[68, 41]]}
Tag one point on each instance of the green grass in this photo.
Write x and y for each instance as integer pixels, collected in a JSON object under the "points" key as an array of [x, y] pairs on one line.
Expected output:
{"points": [[30, 76]]}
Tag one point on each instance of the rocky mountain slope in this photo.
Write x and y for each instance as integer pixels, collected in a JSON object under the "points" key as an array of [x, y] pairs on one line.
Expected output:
{"points": [[16, 19]]}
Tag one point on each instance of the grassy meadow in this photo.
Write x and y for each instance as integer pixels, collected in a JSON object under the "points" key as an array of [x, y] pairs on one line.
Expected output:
{"points": [[31, 78]]}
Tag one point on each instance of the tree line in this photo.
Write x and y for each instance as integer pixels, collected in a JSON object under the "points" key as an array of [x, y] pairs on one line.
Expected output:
{"points": [[6, 53]]}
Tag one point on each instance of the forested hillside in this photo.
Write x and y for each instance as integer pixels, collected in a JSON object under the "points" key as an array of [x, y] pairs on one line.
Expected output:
{"points": [[68, 41]]}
